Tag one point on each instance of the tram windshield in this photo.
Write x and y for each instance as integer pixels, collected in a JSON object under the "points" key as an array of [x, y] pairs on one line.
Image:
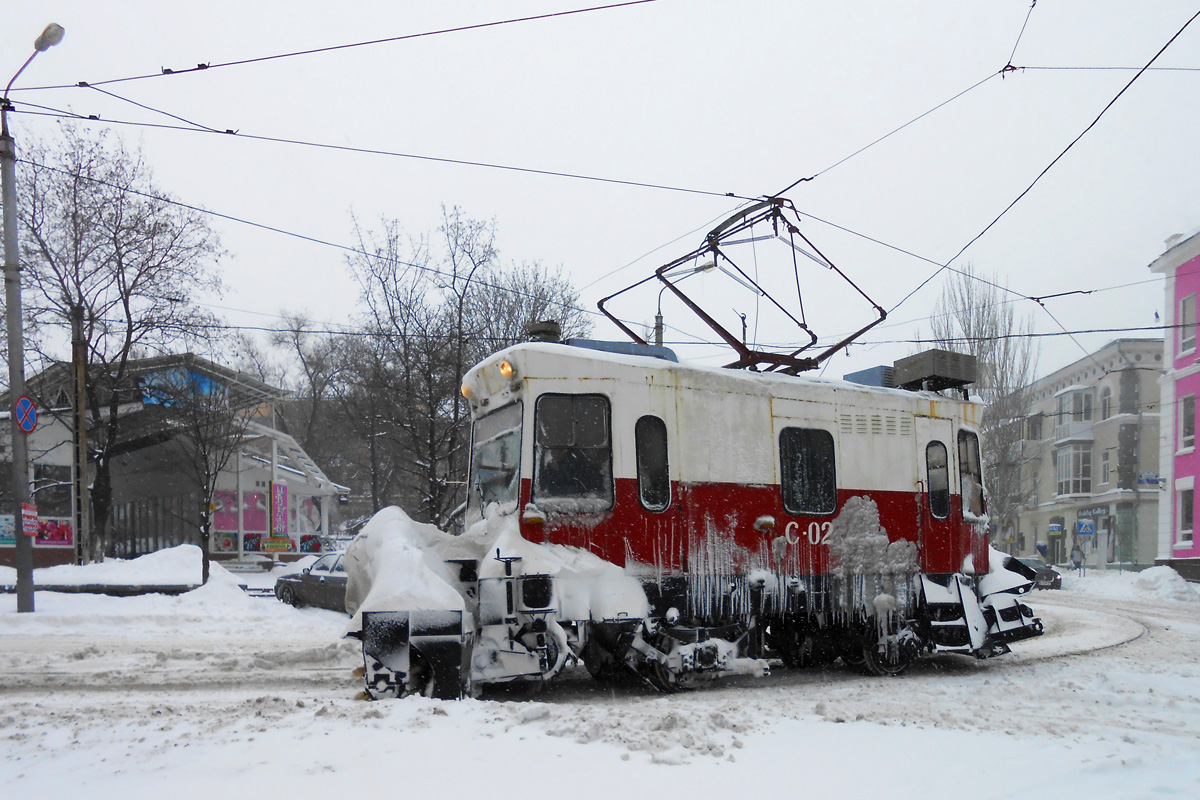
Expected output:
{"points": [[496, 457]]}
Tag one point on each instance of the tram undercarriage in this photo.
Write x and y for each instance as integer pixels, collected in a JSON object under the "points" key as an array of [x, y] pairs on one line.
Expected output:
{"points": [[794, 622]]}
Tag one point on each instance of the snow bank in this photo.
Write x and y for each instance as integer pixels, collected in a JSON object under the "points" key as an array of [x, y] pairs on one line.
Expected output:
{"points": [[173, 566], [1155, 583], [219, 609], [396, 564]]}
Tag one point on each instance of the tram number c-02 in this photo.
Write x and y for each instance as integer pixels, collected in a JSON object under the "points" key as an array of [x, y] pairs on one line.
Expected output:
{"points": [[816, 533]]}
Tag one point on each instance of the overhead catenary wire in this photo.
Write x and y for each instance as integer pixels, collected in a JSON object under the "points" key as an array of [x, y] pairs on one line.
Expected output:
{"points": [[335, 245], [586, 311], [301, 236], [1048, 167], [166, 71], [1024, 24], [887, 135], [347, 330], [207, 129], [154, 110], [191, 128], [1080, 68]]}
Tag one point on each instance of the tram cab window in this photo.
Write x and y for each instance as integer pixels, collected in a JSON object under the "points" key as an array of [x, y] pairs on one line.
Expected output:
{"points": [[573, 453], [938, 468], [654, 480], [808, 477], [970, 474], [496, 456]]}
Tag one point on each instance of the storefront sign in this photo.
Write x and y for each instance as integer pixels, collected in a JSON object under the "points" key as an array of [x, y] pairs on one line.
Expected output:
{"points": [[274, 545], [1054, 529], [1095, 512], [279, 509]]}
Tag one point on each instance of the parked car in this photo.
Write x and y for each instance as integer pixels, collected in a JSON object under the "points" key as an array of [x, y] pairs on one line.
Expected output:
{"points": [[323, 584], [1047, 577]]}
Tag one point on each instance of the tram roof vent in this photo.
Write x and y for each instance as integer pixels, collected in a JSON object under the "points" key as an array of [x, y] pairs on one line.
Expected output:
{"points": [[935, 370]]}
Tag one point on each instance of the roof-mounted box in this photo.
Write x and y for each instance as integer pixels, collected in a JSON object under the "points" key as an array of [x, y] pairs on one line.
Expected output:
{"points": [[935, 370]]}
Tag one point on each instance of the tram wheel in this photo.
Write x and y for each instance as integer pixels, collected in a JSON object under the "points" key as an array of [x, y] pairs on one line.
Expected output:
{"points": [[889, 654]]}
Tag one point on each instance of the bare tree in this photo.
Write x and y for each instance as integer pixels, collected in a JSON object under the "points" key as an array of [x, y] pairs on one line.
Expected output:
{"points": [[209, 424], [518, 295], [397, 393], [98, 235], [436, 310], [318, 361], [975, 315]]}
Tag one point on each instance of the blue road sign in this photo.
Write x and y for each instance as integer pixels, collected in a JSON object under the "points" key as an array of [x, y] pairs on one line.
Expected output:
{"points": [[26, 414]]}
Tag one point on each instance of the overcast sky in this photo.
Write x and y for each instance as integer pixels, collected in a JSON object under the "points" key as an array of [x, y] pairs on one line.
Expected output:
{"points": [[716, 96]]}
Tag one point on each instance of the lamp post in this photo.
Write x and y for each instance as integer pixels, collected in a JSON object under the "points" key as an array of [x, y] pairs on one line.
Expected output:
{"points": [[51, 36], [708, 266]]}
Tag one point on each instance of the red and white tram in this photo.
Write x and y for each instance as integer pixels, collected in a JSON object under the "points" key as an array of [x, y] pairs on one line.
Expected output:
{"points": [[765, 516]]}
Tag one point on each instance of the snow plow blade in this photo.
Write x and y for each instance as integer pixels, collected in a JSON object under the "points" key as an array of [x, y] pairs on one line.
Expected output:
{"points": [[415, 652]]}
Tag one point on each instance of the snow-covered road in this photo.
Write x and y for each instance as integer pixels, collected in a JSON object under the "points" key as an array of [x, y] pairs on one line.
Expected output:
{"points": [[218, 694]]}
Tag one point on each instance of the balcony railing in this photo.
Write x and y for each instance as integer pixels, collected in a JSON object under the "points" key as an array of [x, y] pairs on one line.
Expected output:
{"points": [[1073, 431]]}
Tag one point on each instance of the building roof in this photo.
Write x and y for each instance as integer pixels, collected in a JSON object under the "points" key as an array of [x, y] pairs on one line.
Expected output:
{"points": [[1180, 250], [55, 381], [1073, 373]]}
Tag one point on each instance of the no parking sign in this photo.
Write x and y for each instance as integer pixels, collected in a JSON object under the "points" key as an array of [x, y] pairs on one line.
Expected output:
{"points": [[26, 414]]}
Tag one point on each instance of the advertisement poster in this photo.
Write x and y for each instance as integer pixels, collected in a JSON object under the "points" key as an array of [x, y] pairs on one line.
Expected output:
{"points": [[276, 545], [307, 517], [279, 509], [49, 532], [225, 515], [55, 532], [254, 512]]}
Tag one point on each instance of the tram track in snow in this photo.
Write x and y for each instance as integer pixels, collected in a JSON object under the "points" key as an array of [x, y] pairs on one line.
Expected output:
{"points": [[1076, 626]]}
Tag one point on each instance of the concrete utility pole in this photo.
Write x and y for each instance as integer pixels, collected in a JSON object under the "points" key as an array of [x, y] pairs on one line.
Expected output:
{"points": [[79, 433], [51, 36]]}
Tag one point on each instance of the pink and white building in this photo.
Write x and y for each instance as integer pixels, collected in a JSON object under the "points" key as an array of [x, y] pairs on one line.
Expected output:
{"points": [[1179, 460]]}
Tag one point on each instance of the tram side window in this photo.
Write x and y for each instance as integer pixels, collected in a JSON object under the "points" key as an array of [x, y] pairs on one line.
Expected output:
{"points": [[573, 453], [938, 467], [970, 474], [809, 479], [654, 481]]}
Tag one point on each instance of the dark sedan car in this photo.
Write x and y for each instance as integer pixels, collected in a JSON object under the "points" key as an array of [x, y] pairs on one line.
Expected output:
{"points": [[1047, 577], [323, 585]]}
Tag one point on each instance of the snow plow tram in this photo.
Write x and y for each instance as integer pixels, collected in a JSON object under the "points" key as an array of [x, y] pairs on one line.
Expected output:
{"points": [[672, 524]]}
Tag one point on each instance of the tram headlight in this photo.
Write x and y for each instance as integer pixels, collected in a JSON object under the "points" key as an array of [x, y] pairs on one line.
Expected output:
{"points": [[507, 370], [468, 392]]}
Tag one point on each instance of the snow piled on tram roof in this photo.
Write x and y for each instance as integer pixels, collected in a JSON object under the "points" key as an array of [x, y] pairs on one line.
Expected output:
{"points": [[767, 382]]}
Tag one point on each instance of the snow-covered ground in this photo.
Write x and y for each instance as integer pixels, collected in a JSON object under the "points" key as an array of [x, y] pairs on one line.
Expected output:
{"points": [[216, 694]]}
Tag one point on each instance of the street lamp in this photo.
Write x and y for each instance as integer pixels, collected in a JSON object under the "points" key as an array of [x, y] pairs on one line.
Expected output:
{"points": [[51, 36], [685, 272]]}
